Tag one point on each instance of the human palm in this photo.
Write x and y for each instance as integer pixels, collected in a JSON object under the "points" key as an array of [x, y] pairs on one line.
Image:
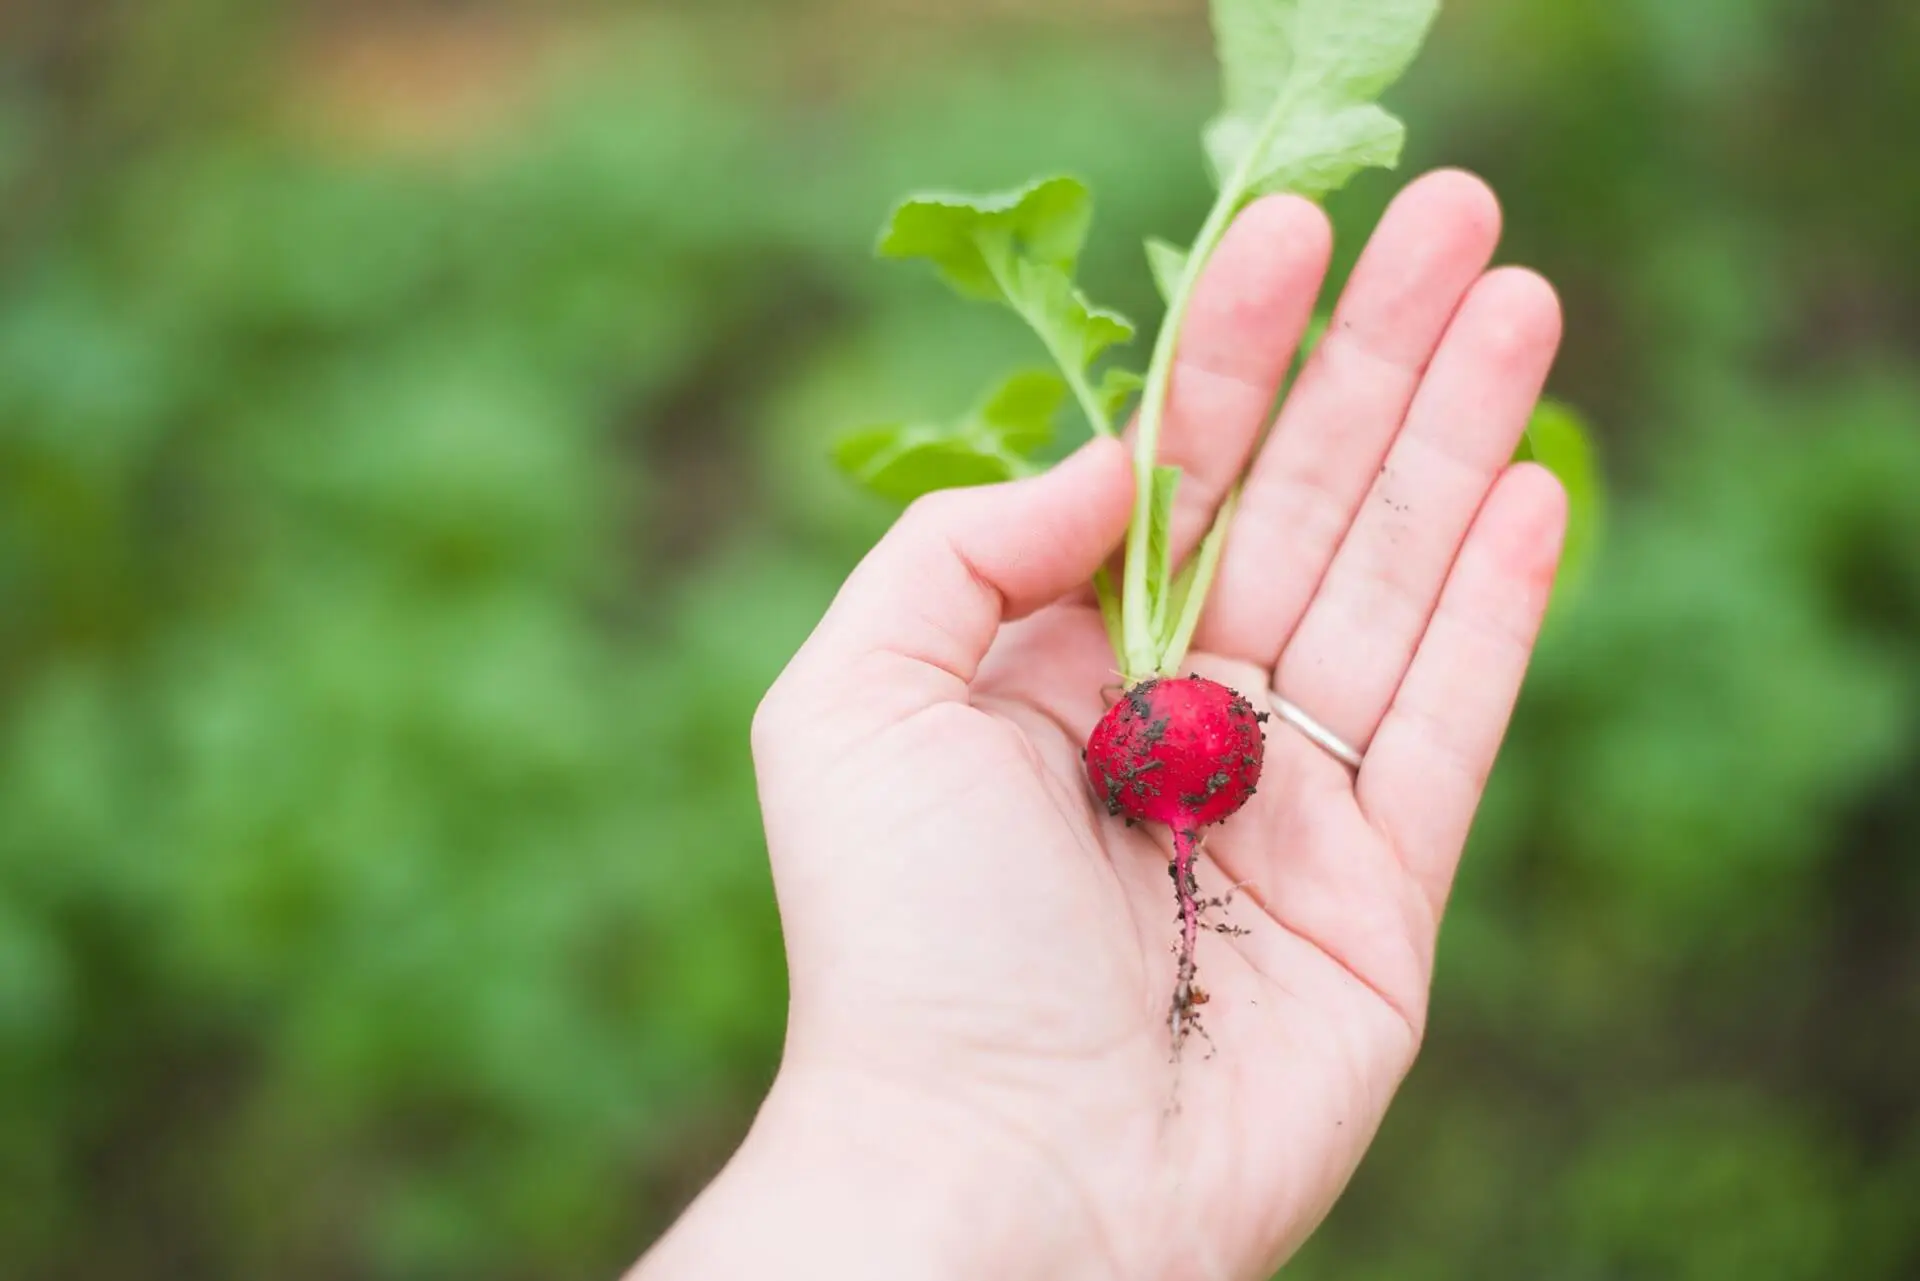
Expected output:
{"points": [[984, 958]]}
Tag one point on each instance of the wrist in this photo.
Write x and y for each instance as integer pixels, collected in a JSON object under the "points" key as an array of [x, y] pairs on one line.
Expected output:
{"points": [[855, 1178]]}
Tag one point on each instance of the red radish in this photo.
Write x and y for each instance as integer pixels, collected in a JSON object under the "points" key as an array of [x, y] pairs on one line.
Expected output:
{"points": [[1186, 753]]}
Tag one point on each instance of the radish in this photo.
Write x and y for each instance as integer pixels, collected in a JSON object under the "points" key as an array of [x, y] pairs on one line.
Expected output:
{"points": [[1186, 753]]}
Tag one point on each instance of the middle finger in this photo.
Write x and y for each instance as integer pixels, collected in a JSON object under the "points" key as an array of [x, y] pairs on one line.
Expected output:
{"points": [[1344, 411]]}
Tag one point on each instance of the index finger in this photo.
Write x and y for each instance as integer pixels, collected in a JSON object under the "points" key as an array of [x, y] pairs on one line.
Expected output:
{"points": [[1249, 311]]}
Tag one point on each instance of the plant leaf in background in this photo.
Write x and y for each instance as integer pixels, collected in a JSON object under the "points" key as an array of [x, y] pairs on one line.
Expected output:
{"points": [[995, 442], [1558, 439], [1300, 79]]}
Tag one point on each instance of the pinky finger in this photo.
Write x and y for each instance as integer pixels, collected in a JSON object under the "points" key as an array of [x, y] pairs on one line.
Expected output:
{"points": [[1429, 763]]}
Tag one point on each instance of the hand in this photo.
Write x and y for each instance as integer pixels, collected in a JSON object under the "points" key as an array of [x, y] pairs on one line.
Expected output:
{"points": [[979, 1078]]}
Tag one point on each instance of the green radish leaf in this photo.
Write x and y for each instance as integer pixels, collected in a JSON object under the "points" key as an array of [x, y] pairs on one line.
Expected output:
{"points": [[902, 461], [1301, 77], [1044, 222], [1558, 439], [1116, 389], [993, 443], [1168, 263], [1074, 330], [1019, 248], [1314, 158], [1166, 484], [1019, 413]]}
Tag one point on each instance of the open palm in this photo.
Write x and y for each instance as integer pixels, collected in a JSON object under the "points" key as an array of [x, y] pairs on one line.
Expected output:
{"points": [[983, 958]]}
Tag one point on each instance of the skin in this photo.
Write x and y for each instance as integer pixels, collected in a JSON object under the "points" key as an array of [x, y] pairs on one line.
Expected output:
{"points": [[978, 1079]]}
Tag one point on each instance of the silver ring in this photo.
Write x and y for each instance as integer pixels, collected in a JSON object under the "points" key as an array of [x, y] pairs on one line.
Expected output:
{"points": [[1322, 737]]}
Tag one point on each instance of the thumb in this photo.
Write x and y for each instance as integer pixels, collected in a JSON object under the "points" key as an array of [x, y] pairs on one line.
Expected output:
{"points": [[920, 612]]}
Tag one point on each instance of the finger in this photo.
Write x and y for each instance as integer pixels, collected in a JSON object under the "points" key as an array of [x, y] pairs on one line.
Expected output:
{"points": [[1350, 652], [1345, 408], [1245, 322], [913, 621], [1423, 777]]}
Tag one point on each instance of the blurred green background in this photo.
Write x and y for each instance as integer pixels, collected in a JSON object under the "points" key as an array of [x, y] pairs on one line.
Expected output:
{"points": [[413, 423]]}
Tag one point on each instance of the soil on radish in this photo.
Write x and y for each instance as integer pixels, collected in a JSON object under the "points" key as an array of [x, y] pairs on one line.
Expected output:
{"points": [[1186, 753]]}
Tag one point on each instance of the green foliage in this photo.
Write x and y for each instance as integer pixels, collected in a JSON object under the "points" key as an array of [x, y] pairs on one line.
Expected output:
{"points": [[1118, 387], [1019, 248], [1301, 79], [974, 240], [1168, 263], [1559, 440], [902, 461]]}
